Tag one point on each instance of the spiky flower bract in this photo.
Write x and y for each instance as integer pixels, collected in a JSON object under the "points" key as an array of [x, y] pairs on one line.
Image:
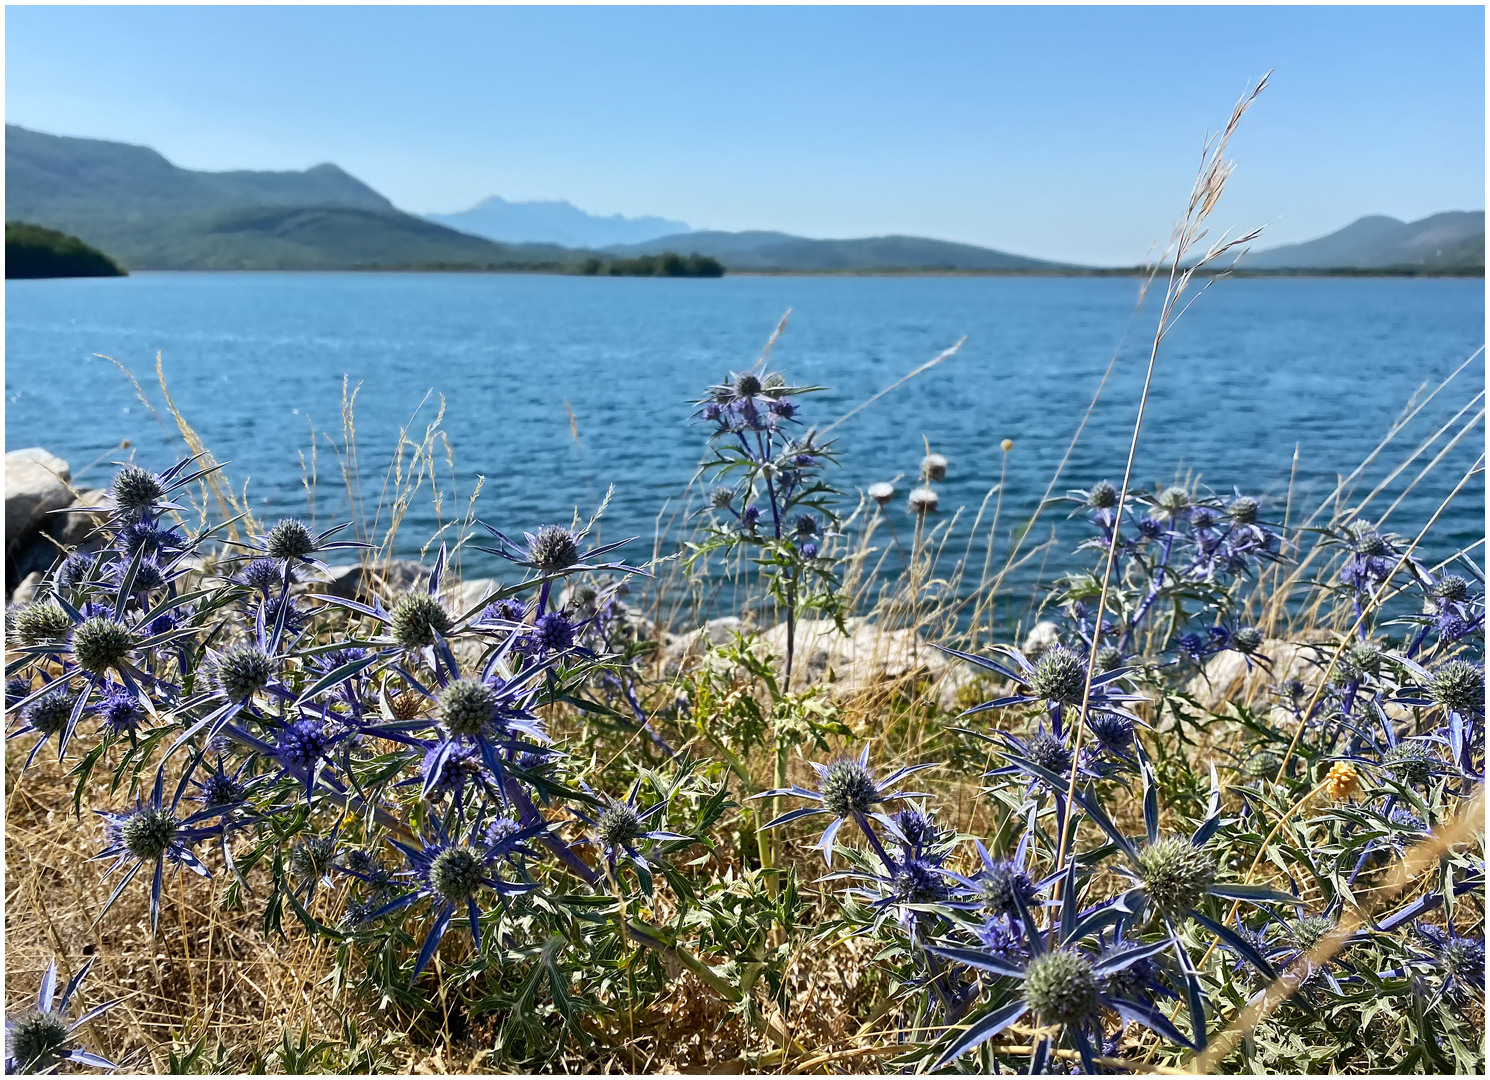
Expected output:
{"points": [[553, 549], [417, 618], [1061, 987], [467, 707], [848, 788], [137, 490], [289, 539], [1459, 686], [243, 671], [1175, 875], [1059, 676], [101, 643], [41, 622]]}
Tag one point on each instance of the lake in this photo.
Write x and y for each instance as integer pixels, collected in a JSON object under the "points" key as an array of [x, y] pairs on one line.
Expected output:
{"points": [[555, 387]]}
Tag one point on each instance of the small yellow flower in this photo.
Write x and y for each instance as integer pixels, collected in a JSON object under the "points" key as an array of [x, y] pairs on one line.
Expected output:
{"points": [[1007, 444], [1342, 781]]}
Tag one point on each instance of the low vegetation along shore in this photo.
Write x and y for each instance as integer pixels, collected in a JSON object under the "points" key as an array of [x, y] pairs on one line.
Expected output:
{"points": [[277, 801]]}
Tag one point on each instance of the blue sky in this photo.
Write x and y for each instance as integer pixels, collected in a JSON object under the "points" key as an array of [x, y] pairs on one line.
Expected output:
{"points": [[1068, 133]]}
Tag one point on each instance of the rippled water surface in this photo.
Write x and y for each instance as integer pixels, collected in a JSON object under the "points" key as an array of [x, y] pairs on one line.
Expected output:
{"points": [[1257, 368]]}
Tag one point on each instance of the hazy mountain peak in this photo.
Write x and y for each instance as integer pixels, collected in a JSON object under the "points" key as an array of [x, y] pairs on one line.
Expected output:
{"points": [[555, 221], [1450, 241]]}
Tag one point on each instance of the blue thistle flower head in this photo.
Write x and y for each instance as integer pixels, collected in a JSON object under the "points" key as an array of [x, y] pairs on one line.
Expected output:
{"points": [[49, 713], [1113, 730], [502, 828], [1003, 887], [917, 827], [1000, 936], [553, 632], [219, 788], [121, 713], [1173, 502], [750, 516], [448, 768], [16, 689], [262, 575], [101, 643], [1451, 589], [290, 540], [553, 549], [1062, 988], [1246, 640], [301, 744], [243, 671], [508, 609], [137, 535], [1243, 510], [136, 491], [1150, 528], [1192, 645], [917, 881], [75, 570], [1458, 686], [1102, 496], [40, 1040]]}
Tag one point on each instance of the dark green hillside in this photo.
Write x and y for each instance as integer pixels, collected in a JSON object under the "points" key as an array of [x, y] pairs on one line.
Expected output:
{"points": [[131, 201], [1452, 242], [34, 252], [320, 238], [782, 251]]}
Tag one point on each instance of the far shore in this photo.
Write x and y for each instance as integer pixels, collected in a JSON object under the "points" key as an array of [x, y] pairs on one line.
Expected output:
{"points": [[553, 271]]}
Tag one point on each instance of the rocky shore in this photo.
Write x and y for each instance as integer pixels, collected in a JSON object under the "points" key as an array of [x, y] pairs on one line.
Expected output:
{"points": [[868, 658]]}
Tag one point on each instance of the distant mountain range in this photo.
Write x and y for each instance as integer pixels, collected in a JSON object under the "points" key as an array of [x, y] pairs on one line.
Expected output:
{"points": [[781, 251], [136, 206], [1451, 241], [552, 221], [132, 203]]}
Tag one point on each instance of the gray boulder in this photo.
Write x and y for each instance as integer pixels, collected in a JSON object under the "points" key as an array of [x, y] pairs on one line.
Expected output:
{"points": [[385, 581], [36, 483], [79, 532]]}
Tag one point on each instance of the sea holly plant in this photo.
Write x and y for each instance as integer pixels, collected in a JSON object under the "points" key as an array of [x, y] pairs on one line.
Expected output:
{"points": [[40, 1040], [391, 768], [771, 502]]}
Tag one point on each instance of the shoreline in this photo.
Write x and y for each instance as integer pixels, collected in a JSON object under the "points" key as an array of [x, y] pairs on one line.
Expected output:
{"points": [[1094, 272]]}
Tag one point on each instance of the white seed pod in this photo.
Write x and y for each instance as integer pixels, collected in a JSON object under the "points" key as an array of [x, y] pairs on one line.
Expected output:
{"points": [[933, 468], [923, 501], [882, 492]]}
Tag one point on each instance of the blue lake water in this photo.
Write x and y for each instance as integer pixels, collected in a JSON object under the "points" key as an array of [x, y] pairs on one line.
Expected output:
{"points": [[1255, 368]]}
